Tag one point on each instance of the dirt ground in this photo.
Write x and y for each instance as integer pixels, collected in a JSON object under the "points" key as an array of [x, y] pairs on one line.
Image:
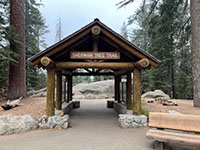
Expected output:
{"points": [[184, 107], [32, 106], [35, 107]]}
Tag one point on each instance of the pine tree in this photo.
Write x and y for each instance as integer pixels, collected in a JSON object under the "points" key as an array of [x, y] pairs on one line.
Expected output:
{"points": [[17, 74], [35, 29], [195, 14], [58, 30], [163, 29]]}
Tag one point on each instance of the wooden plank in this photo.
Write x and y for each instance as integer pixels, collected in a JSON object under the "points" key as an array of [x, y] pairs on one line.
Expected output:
{"points": [[59, 90], [127, 47], [128, 91], [137, 91], [74, 65], [175, 121], [173, 137], [50, 92], [94, 55]]}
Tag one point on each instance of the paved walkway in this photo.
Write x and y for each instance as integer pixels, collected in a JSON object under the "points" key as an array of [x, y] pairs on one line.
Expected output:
{"points": [[94, 127]]}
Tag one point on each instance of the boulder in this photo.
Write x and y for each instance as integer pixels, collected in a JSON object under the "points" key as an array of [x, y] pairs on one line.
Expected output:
{"points": [[94, 90], [10, 124], [155, 94], [56, 121]]}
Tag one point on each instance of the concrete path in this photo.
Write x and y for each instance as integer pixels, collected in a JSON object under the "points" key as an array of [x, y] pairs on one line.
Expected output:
{"points": [[94, 127]]}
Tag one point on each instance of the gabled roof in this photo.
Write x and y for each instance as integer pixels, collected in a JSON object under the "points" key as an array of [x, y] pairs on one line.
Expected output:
{"points": [[108, 32]]}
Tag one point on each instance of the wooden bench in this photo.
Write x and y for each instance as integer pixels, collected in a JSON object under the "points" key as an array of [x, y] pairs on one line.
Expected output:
{"points": [[174, 128]]}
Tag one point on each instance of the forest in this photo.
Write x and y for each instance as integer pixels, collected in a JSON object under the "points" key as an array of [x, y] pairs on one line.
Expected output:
{"points": [[160, 27]]}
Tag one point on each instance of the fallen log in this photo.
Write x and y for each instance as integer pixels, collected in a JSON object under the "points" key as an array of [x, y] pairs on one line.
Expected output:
{"points": [[11, 104]]}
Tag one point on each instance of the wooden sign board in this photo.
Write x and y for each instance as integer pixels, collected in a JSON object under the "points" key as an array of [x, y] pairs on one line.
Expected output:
{"points": [[94, 55]]}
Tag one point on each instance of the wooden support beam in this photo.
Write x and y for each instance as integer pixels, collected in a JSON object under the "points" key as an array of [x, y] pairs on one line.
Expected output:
{"points": [[50, 91], [142, 64], [71, 85], [137, 91], [74, 65], [128, 91], [47, 62], [59, 90], [69, 88], [116, 98], [117, 88], [120, 72], [95, 36], [93, 74], [65, 90]]}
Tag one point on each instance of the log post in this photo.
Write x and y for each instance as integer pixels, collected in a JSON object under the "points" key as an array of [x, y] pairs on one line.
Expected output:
{"points": [[47, 62], [107, 65], [65, 89], [136, 91], [116, 98], [117, 88], [128, 91], [50, 91], [95, 35], [142, 64], [59, 90], [69, 88]]}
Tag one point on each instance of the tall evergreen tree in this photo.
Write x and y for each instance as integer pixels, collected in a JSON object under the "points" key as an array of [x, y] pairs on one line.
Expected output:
{"points": [[195, 14], [17, 74], [35, 29], [6, 34], [163, 29]]}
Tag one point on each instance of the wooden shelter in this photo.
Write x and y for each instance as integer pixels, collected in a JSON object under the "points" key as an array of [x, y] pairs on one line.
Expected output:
{"points": [[93, 48]]}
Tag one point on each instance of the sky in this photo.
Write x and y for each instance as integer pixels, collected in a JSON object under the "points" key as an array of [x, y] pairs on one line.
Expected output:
{"points": [[75, 14]]}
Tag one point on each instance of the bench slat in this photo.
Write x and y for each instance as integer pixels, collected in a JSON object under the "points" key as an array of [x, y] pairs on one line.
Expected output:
{"points": [[172, 137], [175, 121]]}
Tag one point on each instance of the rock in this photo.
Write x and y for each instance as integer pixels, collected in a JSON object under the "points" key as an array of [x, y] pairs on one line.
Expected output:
{"points": [[10, 124], [95, 90], [90, 96], [132, 121], [155, 94], [61, 122], [173, 112]]}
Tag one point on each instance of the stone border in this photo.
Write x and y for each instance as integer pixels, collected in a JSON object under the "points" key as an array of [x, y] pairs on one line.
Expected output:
{"points": [[126, 119]]}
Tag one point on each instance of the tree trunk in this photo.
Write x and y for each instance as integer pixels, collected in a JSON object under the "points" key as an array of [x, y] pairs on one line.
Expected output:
{"points": [[195, 16], [17, 76]]}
